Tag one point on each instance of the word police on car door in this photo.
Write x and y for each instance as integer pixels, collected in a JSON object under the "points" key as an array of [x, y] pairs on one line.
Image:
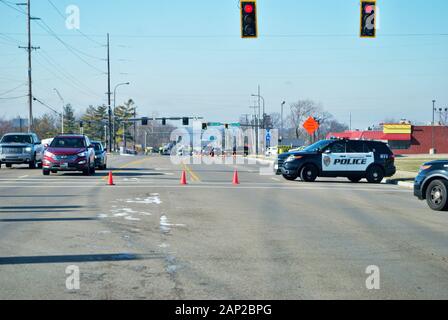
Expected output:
{"points": [[343, 157]]}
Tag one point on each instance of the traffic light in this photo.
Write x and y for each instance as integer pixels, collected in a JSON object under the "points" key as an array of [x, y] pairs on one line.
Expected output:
{"points": [[368, 13], [185, 121], [163, 121], [144, 121], [81, 124], [204, 126], [249, 19], [226, 126]]}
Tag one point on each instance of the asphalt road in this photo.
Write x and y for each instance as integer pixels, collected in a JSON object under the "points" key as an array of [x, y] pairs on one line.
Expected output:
{"points": [[148, 237]]}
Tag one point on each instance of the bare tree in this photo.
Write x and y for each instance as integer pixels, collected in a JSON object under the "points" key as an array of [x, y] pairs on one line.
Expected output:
{"points": [[300, 111], [276, 120], [5, 126]]}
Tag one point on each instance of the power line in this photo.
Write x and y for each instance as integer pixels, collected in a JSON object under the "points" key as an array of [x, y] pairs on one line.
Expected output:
{"points": [[13, 98], [70, 48], [79, 31], [11, 5], [72, 81], [13, 89], [45, 105], [218, 36]]}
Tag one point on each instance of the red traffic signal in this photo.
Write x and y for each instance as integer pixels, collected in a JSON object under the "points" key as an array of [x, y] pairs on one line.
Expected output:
{"points": [[248, 8], [249, 27], [368, 15]]}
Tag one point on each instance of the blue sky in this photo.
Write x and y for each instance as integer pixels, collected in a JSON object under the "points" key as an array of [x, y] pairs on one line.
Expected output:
{"points": [[187, 58]]}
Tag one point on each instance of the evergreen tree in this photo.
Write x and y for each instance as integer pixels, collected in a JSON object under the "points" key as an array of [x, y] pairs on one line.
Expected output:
{"points": [[70, 123]]}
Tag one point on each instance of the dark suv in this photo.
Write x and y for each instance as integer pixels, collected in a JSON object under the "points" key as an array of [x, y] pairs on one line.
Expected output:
{"points": [[69, 153], [431, 184], [353, 159]]}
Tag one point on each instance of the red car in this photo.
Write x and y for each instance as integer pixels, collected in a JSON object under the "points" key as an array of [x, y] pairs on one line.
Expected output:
{"points": [[69, 153]]}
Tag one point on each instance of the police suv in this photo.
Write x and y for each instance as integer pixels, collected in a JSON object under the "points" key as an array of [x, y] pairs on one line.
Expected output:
{"points": [[353, 159]]}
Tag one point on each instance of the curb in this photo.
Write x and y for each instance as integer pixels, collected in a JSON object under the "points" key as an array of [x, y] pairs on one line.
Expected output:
{"points": [[261, 160], [403, 184]]}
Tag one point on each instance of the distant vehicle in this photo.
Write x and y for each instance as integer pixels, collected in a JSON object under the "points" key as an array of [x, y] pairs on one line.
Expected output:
{"points": [[69, 153], [353, 159], [431, 184], [271, 151], [100, 155], [166, 149], [21, 148], [130, 151]]}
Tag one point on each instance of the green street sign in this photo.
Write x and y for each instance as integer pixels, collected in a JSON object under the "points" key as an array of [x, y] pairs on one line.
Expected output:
{"points": [[214, 124]]}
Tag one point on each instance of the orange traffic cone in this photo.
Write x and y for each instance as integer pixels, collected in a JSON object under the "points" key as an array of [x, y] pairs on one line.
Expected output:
{"points": [[236, 180], [183, 179], [110, 181]]}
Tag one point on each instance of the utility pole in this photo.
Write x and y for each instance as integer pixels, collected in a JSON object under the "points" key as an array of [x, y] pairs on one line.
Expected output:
{"points": [[350, 121], [113, 112], [62, 114], [432, 124], [108, 94], [135, 126], [29, 48], [281, 121]]}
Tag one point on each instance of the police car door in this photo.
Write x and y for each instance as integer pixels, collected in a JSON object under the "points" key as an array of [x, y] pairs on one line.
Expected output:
{"points": [[359, 155], [356, 157], [333, 156]]}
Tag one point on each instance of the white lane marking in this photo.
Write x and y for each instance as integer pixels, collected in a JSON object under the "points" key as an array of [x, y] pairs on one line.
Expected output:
{"points": [[23, 177], [275, 179]]}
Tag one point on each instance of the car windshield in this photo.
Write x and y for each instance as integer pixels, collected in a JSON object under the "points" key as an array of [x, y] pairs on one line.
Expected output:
{"points": [[318, 146], [16, 139], [67, 143], [97, 146]]}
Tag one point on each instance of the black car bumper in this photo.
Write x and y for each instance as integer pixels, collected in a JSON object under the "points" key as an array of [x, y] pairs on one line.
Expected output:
{"points": [[21, 159], [99, 162], [390, 171], [418, 187], [290, 168]]}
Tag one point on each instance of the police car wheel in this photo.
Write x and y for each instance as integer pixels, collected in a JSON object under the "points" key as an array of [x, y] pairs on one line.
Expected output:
{"points": [[375, 174], [354, 179], [290, 178], [308, 173], [437, 195]]}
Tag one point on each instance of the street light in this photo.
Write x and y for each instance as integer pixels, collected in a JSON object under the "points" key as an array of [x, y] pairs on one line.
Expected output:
{"points": [[62, 114], [281, 120], [260, 97], [115, 96], [432, 124]]}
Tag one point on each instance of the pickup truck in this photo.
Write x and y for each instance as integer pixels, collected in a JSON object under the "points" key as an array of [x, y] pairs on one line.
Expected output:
{"points": [[21, 148]]}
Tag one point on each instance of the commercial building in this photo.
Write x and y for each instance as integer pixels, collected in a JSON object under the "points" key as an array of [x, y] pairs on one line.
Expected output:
{"points": [[404, 138]]}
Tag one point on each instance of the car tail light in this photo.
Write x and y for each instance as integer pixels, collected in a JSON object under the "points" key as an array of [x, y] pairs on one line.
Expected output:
{"points": [[425, 167]]}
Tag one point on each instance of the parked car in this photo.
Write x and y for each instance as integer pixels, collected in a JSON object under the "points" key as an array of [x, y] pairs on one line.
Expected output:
{"points": [[100, 155], [21, 148], [431, 184], [271, 151], [353, 159], [69, 153]]}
